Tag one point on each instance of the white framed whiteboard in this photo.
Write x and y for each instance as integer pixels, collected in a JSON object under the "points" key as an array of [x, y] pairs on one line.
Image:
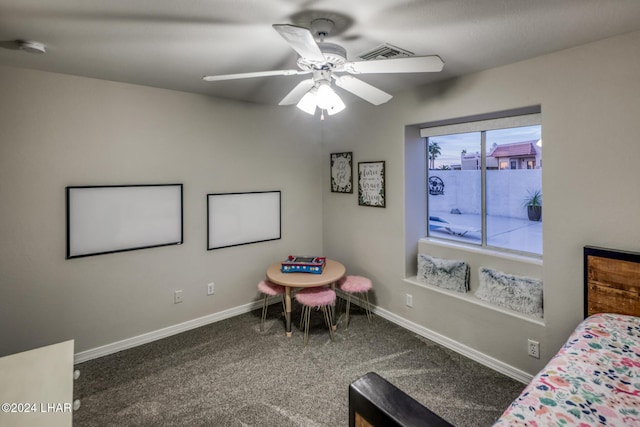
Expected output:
{"points": [[115, 218], [235, 219]]}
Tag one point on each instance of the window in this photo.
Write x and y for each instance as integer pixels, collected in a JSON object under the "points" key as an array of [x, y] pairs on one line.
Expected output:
{"points": [[489, 178]]}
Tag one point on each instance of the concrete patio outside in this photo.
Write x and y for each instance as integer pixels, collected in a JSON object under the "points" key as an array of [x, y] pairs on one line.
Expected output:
{"points": [[502, 231]]}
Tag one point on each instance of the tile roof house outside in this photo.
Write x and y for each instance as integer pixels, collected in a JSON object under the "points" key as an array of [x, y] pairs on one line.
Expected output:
{"points": [[517, 155], [523, 151]]}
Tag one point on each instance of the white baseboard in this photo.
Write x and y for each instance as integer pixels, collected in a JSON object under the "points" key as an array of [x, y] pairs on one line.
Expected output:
{"points": [[115, 347], [469, 352], [462, 349]]}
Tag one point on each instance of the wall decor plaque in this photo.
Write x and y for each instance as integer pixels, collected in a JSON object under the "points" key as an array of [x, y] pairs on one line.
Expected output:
{"points": [[371, 184], [342, 172]]}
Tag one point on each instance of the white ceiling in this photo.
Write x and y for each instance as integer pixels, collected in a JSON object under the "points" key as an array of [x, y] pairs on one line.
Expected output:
{"points": [[173, 43]]}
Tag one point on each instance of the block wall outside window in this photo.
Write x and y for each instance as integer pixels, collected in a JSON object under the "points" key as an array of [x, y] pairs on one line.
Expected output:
{"points": [[495, 205]]}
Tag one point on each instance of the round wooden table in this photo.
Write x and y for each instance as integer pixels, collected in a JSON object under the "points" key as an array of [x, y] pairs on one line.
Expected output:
{"points": [[332, 272]]}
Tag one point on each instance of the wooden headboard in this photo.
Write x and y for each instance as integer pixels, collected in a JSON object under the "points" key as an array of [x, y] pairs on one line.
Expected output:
{"points": [[611, 281]]}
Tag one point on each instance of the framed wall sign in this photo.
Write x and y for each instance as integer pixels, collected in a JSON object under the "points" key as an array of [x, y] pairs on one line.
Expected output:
{"points": [[371, 184], [115, 218], [342, 172]]}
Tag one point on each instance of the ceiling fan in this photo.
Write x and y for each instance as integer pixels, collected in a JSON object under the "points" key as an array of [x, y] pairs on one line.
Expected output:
{"points": [[325, 61]]}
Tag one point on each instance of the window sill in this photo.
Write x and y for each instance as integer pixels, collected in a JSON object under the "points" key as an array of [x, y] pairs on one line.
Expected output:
{"points": [[484, 251], [468, 297]]}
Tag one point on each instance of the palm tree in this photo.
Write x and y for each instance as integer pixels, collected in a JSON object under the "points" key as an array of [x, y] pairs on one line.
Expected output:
{"points": [[434, 152]]}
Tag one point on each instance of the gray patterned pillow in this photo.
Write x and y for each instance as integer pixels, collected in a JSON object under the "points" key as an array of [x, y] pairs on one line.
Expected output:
{"points": [[522, 294], [444, 273]]}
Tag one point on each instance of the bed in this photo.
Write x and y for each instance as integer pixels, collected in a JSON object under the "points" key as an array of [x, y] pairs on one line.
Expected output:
{"points": [[594, 379]]}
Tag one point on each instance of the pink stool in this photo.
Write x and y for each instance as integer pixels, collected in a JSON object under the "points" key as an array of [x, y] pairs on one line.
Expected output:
{"points": [[317, 297], [269, 289], [356, 285]]}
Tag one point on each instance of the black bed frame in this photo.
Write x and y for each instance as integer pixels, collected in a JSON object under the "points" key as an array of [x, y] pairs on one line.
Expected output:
{"points": [[374, 401]]}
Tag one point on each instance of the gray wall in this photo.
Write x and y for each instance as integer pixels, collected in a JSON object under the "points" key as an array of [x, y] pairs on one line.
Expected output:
{"points": [[590, 109], [61, 130]]}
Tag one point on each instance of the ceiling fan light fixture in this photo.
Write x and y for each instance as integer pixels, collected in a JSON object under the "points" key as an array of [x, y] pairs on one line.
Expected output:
{"points": [[308, 102], [336, 107], [327, 98]]}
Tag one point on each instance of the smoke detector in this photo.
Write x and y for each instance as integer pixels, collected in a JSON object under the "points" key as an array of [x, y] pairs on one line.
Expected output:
{"points": [[31, 46]]}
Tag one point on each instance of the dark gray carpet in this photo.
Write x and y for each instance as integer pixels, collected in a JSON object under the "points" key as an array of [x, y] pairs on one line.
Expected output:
{"points": [[231, 374]]}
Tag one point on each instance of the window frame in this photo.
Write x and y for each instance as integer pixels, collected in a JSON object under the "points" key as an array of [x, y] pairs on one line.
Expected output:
{"points": [[529, 118]]}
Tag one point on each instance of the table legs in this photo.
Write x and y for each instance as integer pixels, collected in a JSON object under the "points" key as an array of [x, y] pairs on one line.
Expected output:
{"points": [[287, 309], [334, 326]]}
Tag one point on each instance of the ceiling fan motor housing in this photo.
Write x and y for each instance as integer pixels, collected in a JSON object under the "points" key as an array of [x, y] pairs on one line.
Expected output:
{"points": [[335, 56]]}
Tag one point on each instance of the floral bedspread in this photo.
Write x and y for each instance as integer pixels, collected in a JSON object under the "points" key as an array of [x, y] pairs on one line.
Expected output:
{"points": [[594, 380]]}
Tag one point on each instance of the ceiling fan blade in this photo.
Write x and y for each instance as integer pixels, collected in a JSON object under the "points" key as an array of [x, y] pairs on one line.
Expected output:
{"points": [[252, 75], [301, 40], [363, 90], [414, 64], [297, 92]]}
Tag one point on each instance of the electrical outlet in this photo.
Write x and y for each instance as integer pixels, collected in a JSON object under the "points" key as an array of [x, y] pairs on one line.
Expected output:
{"points": [[409, 300], [533, 348], [177, 297], [211, 288]]}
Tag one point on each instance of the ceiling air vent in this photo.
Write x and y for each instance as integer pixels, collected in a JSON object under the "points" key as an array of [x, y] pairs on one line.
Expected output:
{"points": [[386, 51]]}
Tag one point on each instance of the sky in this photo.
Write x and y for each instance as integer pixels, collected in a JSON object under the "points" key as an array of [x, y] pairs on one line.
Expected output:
{"points": [[452, 145]]}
